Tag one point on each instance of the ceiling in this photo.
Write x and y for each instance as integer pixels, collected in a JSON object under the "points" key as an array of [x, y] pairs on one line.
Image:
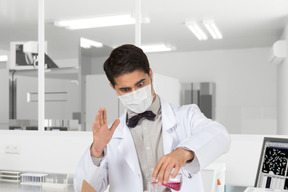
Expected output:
{"points": [[243, 23]]}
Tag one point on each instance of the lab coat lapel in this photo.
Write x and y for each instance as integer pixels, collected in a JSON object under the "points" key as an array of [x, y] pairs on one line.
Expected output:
{"points": [[126, 145], [168, 123]]}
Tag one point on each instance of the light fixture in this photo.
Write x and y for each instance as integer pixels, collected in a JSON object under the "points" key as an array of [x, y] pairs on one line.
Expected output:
{"points": [[3, 58], [96, 22], [212, 28], [156, 48], [196, 30], [87, 43]]}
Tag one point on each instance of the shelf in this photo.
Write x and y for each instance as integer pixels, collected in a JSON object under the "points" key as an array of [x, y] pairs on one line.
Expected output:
{"points": [[10, 172], [10, 176], [9, 180]]}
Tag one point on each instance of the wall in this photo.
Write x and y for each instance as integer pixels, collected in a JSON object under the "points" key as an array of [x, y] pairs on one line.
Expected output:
{"points": [[282, 91], [62, 63], [100, 94], [245, 84], [60, 152], [4, 96]]}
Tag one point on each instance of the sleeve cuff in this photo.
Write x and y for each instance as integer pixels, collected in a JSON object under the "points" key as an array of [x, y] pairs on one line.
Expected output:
{"points": [[192, 166], [97, 161]]}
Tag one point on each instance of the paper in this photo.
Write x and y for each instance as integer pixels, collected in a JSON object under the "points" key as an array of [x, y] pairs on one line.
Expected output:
{"points": [[86, 187]]}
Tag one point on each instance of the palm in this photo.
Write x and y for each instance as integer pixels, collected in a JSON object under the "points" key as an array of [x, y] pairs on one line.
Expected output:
{"points": [[101, 133]]}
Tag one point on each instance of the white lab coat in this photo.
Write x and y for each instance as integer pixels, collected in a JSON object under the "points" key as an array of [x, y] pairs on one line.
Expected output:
{"points": [[183, 126]]}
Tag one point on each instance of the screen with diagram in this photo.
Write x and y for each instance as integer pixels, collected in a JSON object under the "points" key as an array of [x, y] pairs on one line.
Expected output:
{"points": [[272, 171]]}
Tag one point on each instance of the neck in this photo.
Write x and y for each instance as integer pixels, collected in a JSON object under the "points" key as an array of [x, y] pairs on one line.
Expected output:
{"points": [[154, 97]]}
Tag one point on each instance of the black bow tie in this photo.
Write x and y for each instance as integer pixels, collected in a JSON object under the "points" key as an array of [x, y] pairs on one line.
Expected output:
{"points": [[133, 121]]}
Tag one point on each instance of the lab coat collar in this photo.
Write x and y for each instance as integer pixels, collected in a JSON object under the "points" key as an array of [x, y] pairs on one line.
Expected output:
{"points": [[168, 123], [126, 145], [122, 128], [168, 117]]}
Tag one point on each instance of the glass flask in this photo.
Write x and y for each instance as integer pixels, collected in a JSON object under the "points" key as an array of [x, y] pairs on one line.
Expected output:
{"points": [[174, 184]]}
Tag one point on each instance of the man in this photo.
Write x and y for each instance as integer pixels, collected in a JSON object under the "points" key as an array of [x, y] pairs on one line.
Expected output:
{"points": [[152, 139]]}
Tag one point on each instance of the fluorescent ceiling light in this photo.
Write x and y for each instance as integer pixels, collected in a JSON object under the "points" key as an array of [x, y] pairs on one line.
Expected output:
{"points": [[212, 28], [87, 43], [196, 30], [3, 58], [156, 48], [96, 22]]}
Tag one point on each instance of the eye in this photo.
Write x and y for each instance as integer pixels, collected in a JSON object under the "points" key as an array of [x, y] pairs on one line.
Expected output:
{"points": [[140, 84], [124, 90]]}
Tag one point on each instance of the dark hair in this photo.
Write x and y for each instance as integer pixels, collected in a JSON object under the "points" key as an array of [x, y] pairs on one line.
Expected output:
{"points": [[125, 59]]}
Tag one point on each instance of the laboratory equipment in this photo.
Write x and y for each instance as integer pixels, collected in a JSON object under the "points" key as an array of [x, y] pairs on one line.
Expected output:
{"points": [[35, 179], [173, 183], [272, 168]]}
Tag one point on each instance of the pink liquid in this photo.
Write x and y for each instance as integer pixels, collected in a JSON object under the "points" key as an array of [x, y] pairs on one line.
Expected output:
{"points": [[172, 185]]}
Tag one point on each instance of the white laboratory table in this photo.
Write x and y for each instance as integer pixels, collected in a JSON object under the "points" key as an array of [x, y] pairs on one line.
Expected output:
{"points": [[14, 187], [17, 187]]}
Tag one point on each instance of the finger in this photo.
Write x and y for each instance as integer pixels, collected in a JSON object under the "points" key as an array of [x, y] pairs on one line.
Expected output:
{"points": [[156, 170], [175, 172], [97, 120], [101, 117], [105, 116], [96, 115], [167, 173], [162, 173], [114, 125], [93, 128]]}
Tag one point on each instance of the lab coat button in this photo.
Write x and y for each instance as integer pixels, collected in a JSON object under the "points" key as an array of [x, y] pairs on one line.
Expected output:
{"points": [[147, 148]]}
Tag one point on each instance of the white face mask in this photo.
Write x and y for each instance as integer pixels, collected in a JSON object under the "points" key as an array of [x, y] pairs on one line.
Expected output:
{"points": [[138, 101]]}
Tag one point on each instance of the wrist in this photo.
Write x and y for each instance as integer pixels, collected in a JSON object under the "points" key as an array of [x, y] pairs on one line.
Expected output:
{"points": [[95, 152], [188, 154]]}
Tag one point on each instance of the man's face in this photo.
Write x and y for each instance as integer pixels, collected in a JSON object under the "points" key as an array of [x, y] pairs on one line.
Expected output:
{"points": [[132, 81]]}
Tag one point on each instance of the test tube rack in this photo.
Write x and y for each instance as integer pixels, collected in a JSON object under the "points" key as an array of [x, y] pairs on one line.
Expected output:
{"points": [[10, 176], [36, 179]]}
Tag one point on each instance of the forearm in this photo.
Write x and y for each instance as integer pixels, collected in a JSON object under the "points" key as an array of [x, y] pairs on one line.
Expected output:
{"points": [[207, 145], [96, 176]]}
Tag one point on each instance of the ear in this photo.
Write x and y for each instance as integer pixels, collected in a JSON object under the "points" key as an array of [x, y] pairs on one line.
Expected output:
{"points": [[112, 86], [151, 75]]}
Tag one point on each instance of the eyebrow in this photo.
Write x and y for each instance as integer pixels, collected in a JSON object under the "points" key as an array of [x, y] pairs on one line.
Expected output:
{"points": [[140, 81]]}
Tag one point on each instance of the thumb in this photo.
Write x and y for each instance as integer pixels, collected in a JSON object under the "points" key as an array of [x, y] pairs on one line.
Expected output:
{"points": [[114, 125]]}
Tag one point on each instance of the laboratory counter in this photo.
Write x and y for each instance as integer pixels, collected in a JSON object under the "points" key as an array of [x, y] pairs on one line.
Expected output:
{"points": [[16, 187]]}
